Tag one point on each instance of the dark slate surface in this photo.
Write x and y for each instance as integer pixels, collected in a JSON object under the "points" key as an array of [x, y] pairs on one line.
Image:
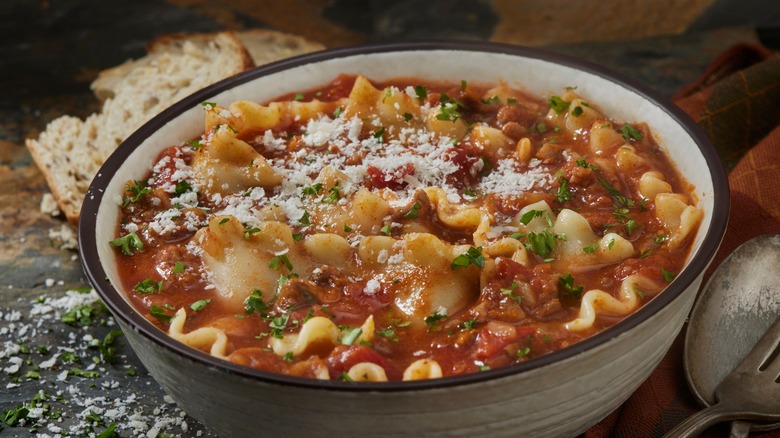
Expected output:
{"points": [[51, 52]]}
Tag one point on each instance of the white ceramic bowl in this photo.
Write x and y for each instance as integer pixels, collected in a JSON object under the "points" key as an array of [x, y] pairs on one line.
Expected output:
{"points": [[560, 394]]}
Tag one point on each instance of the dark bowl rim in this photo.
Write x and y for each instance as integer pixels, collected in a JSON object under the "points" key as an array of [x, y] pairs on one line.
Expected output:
{"points": [[122, 310]]}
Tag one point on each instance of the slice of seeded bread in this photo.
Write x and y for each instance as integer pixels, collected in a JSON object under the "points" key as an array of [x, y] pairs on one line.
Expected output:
{"points": [[70, 151]]}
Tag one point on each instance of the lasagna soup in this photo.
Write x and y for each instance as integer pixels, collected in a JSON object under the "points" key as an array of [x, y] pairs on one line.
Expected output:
{"points": [[404, 230]]}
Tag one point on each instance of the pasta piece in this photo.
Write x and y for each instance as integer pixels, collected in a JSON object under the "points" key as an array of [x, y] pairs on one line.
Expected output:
{"points": [[597, 301], [317, 333], [367, 372], [580, 115], [679, 218], [375, 250], [576, 230], [577, 235], [239, 262], [454, 129], [627, 159], [210, 339], [653, 183], [491, 140], [328, 249], [541, 220], [367, 212], [396, 108], [258, 118], [362, 99], [604, 138], [317, 330], [227, 165], [460, 216], [422, 369]]}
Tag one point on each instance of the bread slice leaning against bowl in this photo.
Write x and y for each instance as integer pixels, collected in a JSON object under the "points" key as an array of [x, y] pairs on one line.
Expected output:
{"points": [[70, 151]]}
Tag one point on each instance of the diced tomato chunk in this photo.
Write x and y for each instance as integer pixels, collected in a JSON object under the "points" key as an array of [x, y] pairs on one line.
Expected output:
{"points": [[394, 180], [491, 341]]}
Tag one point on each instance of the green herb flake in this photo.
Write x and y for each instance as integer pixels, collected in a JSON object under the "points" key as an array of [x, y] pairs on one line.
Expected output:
{"points": [[386, 230], [432, 319], [510, 292], [388, 333], [541, 244], [224, 220], [557, 104], [254, 303], [523, 352], [179, 268], [660, 239], [563, 194], [160, 314], [138, 190], [334, 195], [668, 275], [347, 228], [528, 216], [312, 190], [248, 233], [473, 256], [421, 91], [182, 187], [128, 243], [298, 97], [208, 105], [78, 372], [590, 248], [576, 111], [631, 133], [408, 117], [414, 212], [351, 336], [338, 112], [492, 100], [148, 286], [279, 261], [468, 325], [305, 221], [566, 282], [199, 305]]}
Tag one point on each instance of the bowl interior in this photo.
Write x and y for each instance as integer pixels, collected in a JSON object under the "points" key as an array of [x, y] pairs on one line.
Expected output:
{"points": [[538, 73]]}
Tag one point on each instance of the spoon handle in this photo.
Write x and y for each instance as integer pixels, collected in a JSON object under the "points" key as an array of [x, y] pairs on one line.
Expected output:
{"points": [[703, 419], [739, 429]]}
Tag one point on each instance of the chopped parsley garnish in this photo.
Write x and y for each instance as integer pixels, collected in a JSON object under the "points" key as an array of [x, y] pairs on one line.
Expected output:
{"points": [[386, 230], [468, 325], [297, 237], [248, 233], [279, 261], [337, 112], [463, 85], [491, 100], [379, 135], [78, 372], [576, 111], [351, 336], [421, 91], [541, 244], [563, 194], [511, 101], [414, 212], [347, 228], [471, 257], [138, 190], [312, 190], [388, 333], [631, 133], [668, 275], [254, 303], [639, 293], [566, 282], [590, 248], [334, 194], [83, 315], [432, 319], [298, 97], [304, 220], [528, 216], [224, 220], [199, 305], [660, 239], [148, 286], [583, 163], [619, 198], [344, 377], [449, 109], [160, 314], [557, 104], [278, 325], [408, 117], [182, 187], [288, 357], [208, 105], [510, 292], [128, 243], [108, 353], [179, 268], [523, 352]]}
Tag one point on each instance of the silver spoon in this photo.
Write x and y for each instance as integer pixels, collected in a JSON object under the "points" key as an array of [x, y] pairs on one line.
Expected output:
{"points": [[739, 303]]}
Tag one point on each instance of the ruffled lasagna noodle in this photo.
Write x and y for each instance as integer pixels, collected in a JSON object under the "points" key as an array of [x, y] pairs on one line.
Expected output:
{"points": [[402, 231]]}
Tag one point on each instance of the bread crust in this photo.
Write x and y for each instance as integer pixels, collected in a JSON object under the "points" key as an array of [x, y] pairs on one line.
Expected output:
{"points": [[70, 151]]}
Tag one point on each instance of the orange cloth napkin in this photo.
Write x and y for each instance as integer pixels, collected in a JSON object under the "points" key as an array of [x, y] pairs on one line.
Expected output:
{"points": [[737, 103]]}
